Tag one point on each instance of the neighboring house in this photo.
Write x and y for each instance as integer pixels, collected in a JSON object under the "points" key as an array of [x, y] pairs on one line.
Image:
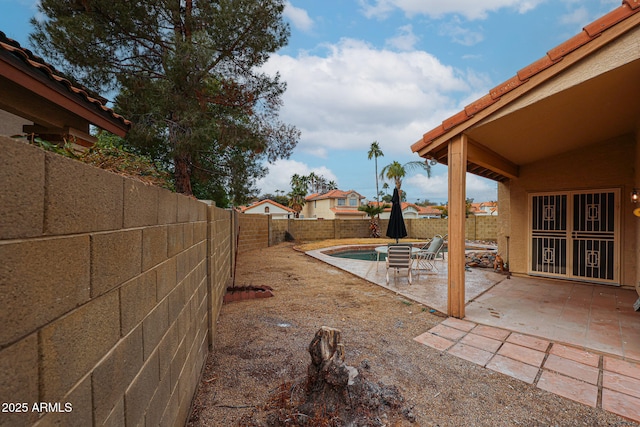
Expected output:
{"points": [[269, 207], [562, 139], [429, 212], [36, 99], [410, 210], [484, 208], [334, 204]]}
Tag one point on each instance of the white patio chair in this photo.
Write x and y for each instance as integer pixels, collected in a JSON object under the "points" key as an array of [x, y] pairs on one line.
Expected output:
{"points": [[427, 256], [399, 257]]}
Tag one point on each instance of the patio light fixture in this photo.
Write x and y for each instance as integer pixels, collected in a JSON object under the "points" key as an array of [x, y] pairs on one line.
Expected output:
{"points": [[635, 196]]}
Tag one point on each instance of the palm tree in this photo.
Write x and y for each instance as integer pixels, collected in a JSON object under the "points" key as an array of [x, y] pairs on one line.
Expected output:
{"points": [[375, 152], [372, 211], [396, 172], [298, 193]]}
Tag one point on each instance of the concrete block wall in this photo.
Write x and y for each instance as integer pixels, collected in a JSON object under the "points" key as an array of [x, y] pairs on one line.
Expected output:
{"points": [[109, 291], [477, 228], [254, 232]]}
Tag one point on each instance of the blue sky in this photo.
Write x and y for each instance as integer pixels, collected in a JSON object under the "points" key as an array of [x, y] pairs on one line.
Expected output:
{"points": [[360, 71]]}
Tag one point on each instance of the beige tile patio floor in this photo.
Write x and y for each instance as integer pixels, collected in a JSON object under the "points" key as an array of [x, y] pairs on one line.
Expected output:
{"points": [[576, 340]]}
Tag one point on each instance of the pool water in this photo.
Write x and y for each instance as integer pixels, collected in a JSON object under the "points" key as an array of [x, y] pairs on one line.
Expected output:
{"points": [[360, 254]]}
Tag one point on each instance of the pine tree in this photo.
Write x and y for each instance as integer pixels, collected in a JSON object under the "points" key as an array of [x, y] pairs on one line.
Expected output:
{"points": [[187, 75]]}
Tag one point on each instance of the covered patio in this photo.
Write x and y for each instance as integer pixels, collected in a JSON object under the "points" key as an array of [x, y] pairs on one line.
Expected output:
{"points": [[561, 138]]}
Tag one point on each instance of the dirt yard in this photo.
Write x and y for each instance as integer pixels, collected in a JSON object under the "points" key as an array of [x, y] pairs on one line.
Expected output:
{"points": [[261, 346]]}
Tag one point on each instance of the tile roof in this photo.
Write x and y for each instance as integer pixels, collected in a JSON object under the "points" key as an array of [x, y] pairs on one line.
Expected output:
{"points": [[31, 61], [555, 55], [266, 201], [332, 194], [346, 211]]}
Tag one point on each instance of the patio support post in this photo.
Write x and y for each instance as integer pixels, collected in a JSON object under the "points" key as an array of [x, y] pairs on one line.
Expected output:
{"points": [[457, 208]]}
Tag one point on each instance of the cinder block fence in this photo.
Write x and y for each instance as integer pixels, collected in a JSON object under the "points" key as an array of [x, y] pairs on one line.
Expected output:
{"points": [[109, 293], [110, 289]]}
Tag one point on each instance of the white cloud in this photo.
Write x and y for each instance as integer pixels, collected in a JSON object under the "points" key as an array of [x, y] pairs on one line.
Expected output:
{"points": [[471, 9], [405, 40], [357, 94], [460, 34], [280, 173], [435, 188], [579, 16], [298, 17]]}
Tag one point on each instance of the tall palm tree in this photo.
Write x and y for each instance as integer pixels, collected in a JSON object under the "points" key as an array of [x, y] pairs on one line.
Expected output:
{"points": [[396, 171], [375, 152]]}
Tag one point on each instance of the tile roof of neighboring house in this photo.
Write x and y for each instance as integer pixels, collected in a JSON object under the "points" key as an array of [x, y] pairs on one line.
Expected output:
{"points": [[332, 194], [425, 210], [429, 210], [344, 211], [263, 202], [480, 207], [53, 77], [554, 56]]}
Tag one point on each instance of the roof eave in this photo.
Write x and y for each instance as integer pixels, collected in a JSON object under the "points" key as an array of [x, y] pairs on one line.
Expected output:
{"points": [[558, 59]]}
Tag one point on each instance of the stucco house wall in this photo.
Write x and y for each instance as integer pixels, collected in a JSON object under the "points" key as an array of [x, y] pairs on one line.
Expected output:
{"points": [[614, 161]]}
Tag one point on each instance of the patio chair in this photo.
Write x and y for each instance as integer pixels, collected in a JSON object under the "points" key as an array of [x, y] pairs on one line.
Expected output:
{"points": [[399, 257], [429, 253]]}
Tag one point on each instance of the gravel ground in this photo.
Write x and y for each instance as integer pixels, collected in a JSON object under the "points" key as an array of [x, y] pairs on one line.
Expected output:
{"points": [[261, 345]]}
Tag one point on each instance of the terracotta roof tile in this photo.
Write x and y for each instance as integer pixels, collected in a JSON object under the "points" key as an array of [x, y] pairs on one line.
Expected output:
{"points": [[455, 120], [609, 20], [591, 31], [332, 194], [534, 68], [479, 105], [569, 46], [506, 87], [266, 201], [37, 63]]}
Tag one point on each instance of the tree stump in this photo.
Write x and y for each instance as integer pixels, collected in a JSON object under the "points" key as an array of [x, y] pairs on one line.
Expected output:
{"points": [[328, 375], [334, 393]]}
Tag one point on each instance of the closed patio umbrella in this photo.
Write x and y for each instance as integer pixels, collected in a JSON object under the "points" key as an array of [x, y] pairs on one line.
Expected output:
{"points": [[396, 228]]}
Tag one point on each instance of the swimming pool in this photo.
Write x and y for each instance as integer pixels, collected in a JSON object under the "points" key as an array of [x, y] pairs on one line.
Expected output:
{"points": [[361, 254], [368, 253]]}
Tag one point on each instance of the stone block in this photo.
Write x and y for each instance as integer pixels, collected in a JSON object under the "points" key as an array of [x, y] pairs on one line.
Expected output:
{"points": [[170, 415], [79, 414], [167, 207], [167, 348], [72, 345], [154, 246], [19, 379], [187, 230], [22, 190], [115, 258], [154, 326], [116, 417], [115, 373], [81, 198], [165, 278], [139, 394], [137, 299], [185, 209], [158, 403], [176, 302], [175, 239], [177, 363], [140, 204], [41, 280]]}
